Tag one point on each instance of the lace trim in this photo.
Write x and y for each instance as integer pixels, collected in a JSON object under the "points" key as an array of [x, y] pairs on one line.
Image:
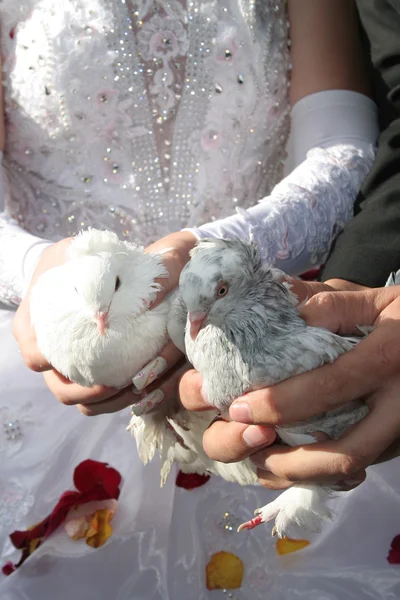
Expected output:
{"points": [[11, 280], [296, 225], [15, 503]]}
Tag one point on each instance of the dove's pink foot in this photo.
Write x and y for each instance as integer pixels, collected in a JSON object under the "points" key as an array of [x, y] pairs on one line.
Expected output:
{"points": [[251, 524], [262, 515]]}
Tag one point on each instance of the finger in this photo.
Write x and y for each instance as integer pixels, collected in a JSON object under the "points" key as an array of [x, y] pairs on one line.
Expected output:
{"points": [[350, 484], [353, 375], [190, 392], [71, 394], [175, 250], [342, 312], [26, 338], [306, 289], [392, 451], [168, 386], [114, 404], [280, 467], [271, 481], [174, 265], [230, 442], [166, 389], [168, 357], [165, 289], [337, 460], [343, 285]]}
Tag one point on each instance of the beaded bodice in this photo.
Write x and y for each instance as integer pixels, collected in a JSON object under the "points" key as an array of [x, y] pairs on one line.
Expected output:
{"points": [[142, 117]]}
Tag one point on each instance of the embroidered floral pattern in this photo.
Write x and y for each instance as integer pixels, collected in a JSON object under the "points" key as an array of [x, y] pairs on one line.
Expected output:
{"points": [[163, 38], [170, 126], [15, 503], [13, 425]]}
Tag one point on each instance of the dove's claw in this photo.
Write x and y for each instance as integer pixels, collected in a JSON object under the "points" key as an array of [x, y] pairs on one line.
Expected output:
{"points": [[274, 531], [251, 524]]}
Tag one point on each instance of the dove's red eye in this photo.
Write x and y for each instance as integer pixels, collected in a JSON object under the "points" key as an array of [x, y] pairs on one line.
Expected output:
{"points": [[222, 290], [117, 284]]}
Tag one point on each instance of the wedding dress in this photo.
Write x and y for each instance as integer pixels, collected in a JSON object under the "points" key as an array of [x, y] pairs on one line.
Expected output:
{"points": [[146, 117]]}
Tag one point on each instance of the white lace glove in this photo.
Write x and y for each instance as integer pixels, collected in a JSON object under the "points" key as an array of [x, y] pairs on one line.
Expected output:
{"points": [[19, 253], [333, 134]]}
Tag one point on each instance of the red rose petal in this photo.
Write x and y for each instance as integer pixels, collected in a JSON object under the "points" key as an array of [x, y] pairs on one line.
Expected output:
{"points": [[91, 473], [94, 480], [394, 557], [395, 545], [394, 553], [190, 481], [310, 275], [8, 568]]}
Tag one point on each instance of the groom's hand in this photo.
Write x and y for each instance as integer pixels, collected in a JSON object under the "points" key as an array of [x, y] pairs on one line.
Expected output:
{"points": [[371, 371]]}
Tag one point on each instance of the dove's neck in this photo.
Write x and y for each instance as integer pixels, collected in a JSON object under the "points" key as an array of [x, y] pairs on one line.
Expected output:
{"points": [[254, 317]]}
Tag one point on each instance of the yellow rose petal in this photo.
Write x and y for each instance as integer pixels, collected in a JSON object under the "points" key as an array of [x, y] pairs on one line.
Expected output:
{"points": [[224, 572], [286, 545], [100, 528]]}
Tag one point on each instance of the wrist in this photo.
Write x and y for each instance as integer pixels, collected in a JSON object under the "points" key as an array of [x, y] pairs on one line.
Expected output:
{"points": [[48, 255], [177, 245], [175, 250]]}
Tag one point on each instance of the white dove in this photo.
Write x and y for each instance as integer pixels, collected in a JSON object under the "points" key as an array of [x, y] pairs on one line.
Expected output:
{"points": [[91, 314], [245, 332], [93, 324]]}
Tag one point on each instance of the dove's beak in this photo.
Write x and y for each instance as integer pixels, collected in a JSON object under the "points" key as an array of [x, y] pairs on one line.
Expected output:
{"points": [[101, 320], [196, 320]]}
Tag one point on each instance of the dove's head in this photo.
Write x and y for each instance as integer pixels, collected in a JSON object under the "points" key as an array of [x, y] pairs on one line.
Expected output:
{"points": [[114, 286], [222, 277]]}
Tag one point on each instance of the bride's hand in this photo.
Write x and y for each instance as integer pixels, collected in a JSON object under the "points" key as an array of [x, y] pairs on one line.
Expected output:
{"points": [[99, 399], [53, 256]]}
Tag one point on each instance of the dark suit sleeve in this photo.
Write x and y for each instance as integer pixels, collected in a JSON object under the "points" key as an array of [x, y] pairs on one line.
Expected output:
{"points": [[369, 247]]}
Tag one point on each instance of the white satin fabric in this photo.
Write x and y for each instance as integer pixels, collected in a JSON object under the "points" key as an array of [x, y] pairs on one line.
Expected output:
{"points": [[164, 537], [79, 152]]}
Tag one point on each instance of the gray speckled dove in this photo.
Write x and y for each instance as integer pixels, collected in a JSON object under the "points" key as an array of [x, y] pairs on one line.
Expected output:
{"points": [[245, 332], [93, 324]]}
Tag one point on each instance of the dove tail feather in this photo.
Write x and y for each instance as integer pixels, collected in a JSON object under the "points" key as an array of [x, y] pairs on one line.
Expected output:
{"points": [[146, 435], [182, 444], [154, 433]]}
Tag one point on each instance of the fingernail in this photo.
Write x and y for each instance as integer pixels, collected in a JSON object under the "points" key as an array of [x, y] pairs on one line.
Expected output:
{"points": [[353, 481], [152, 300], [215, 420], [255, 436], [149, 373], [258, 459], [240, 411], [148, 403], [120, 387]]}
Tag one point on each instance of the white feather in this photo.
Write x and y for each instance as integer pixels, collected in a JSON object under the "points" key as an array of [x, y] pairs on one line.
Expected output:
{"points": [[63, 305], [65, 299], [302, 506]]}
